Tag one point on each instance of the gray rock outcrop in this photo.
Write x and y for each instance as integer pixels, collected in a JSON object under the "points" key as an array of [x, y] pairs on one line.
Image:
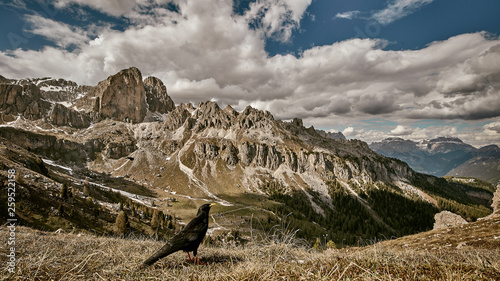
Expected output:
{"points": [[22, 100], [63, 116], [495, 204], [176, 118], [120, 97], [446, 219], [157, 97]]}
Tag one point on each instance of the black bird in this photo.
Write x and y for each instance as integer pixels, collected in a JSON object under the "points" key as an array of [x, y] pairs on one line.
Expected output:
{"points": [[188, 239]]}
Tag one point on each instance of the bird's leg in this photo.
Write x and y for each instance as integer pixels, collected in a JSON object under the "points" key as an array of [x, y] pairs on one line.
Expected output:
{"points": [[200, 262], [189, 256]]}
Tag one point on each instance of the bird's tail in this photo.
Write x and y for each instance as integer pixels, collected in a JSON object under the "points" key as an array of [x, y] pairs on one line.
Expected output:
{"points": [[163, 252]]}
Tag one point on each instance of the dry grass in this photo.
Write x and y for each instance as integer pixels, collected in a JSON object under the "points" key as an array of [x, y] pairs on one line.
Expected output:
{"points": [[51, 256]]}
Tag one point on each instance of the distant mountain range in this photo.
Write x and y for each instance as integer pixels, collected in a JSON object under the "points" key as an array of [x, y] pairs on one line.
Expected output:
{"points": [[124, 145], [444, 156]]}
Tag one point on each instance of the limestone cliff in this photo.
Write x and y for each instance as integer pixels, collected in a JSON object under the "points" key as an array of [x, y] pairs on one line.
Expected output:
{"points": [[157, 97], [63, 116], [22, 100], [120, 97]]}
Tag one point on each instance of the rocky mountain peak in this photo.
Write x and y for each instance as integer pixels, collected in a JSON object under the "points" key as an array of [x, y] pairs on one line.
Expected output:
{"points": [[230, 111], [253, 118], [120, 97], [177, 117], [209, 115], [445, 139], [157, 97], [394, 139], [331, 135], [493, 148], [261, 114], [208, 109], [447, 145]]}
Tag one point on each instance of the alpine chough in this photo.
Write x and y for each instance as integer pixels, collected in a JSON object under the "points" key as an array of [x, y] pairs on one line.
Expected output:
{"points": [[188, 239]]}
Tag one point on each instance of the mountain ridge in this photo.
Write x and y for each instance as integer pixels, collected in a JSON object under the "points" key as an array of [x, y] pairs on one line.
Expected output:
{"points": [[444, 156], [330, 186]]}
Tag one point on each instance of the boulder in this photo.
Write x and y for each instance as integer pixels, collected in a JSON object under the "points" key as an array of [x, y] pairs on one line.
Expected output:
{"points": [[447, 219]]}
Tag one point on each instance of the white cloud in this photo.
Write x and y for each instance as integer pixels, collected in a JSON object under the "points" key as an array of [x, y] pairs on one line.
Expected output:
{"points": [[277, 18], [62, 34], [205, 52], [401, 130], [112, 7], [347, 15], [17, 4], [492, 128], [395, 10], [351, 132], [398, 9], [475, 137]]}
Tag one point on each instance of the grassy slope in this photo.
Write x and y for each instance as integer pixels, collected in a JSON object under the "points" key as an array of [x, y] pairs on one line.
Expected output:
{"points": [[46, 256]]}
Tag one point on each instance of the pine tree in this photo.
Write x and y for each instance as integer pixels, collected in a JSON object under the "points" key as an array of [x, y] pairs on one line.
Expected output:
{"points": [[121, 223], [64, 191], [86, 190], [60, 210], [154, 220], [73, 192]]}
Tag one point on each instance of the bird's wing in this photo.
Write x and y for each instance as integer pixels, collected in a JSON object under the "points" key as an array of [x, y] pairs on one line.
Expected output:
{"points": [[176, 243], [195, 226], [189, 238]]}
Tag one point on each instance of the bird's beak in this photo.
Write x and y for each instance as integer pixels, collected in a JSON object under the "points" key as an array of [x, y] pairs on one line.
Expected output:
{"points": [[213, 204]]}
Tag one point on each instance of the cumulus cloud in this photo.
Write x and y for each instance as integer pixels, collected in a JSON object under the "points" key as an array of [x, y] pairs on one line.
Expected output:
{"points": [[401, 130], [204, 51], [351, 132], [277, 18], [376, 104], [493, 127]]}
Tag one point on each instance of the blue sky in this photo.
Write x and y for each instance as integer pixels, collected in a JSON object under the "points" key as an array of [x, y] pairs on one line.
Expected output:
{"points": [[426, 23], [372, 69]]}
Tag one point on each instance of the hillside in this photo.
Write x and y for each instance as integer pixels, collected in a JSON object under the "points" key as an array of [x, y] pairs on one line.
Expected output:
{"points": [[462, 253], [484, 166], [125, 135], [45, 198]]}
